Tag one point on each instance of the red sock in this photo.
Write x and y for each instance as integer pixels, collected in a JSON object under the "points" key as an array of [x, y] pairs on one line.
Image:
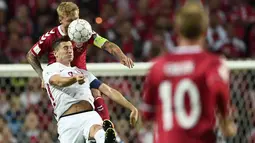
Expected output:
{"points": [[101, 108]]}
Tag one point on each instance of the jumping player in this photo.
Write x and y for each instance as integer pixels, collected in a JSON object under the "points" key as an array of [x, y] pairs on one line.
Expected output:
{"points": [[69, 91], [67, 12]]}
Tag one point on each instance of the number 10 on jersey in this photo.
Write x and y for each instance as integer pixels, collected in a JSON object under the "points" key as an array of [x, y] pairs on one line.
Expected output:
{"points": [[176, 101]]}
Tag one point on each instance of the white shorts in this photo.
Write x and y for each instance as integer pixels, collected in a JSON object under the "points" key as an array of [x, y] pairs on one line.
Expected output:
{"points": [[75, 128]]}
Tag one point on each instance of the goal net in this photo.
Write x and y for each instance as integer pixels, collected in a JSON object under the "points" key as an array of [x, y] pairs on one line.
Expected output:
{"points": [[28, 113]]}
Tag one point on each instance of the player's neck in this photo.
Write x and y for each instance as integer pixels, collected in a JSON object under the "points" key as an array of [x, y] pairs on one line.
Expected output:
{"points": [[63, 29], [185, 42], [68, 64]]}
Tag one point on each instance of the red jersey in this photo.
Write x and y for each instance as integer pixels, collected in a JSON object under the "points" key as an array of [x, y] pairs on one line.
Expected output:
{"points": [[44, 46], [181, 93]]}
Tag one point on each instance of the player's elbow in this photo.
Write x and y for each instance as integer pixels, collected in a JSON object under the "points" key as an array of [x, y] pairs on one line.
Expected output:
{"points": [[108, 91], [30, 57], [56, 83], [109, 47]]}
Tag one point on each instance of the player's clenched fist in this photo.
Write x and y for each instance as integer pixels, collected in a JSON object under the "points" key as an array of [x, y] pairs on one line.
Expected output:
{"points": [[80, 78], [133, 117]]}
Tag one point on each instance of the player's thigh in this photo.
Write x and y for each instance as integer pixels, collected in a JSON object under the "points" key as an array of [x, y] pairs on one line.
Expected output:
{"points": [[70, 130], [96, 93], [93, 119]]}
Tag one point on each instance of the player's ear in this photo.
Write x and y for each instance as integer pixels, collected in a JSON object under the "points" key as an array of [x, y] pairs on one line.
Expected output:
{"points": [[55, 53], [60, 18]]}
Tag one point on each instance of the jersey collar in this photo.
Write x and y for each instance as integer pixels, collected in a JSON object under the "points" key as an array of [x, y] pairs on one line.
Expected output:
{"points": [[60, 31], [188, 49]]}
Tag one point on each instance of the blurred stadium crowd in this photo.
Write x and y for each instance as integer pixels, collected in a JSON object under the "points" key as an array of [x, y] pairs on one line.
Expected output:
{"points": [[142, 28]]}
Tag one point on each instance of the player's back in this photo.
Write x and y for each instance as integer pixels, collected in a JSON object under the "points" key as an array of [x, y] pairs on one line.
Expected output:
{"points": [[186, 102]]}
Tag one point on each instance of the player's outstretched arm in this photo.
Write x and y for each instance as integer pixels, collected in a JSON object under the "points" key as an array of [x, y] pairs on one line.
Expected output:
{"points": [[35, 63], [116, 51], [118, 97], [60, 81]]}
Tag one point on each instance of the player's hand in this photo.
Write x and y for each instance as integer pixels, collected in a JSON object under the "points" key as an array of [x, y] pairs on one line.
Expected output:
{"points": [[80, 78], [126, 61], [133, 117]]}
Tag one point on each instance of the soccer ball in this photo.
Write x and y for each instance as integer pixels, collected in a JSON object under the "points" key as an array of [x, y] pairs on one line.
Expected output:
{"points": [[79, 31]]}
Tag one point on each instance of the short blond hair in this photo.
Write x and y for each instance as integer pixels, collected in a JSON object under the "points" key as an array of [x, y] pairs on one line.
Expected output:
{"points": [[191, 20], [67, 9]]}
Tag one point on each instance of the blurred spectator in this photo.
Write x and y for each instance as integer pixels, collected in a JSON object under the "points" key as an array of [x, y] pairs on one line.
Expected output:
{"points": [[127, 38], [122, 127], [154, 47], [24, 20], [159, 39], [241, 11], [6, 136], [215, 7], [15, 114], [142, 20], [3, 30], [45, 137], [146, 133], [252, 42], [14, 27], [31, 96], [251, 136], [108, 16], [44, 17], [14, 51], [216, 32], [30, 131], [232, 46], [3, 123], [44, 110], [4, 103]]}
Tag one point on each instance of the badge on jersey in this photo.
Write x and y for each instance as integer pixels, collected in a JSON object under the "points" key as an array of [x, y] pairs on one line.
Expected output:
{"points": [[37, 49]]}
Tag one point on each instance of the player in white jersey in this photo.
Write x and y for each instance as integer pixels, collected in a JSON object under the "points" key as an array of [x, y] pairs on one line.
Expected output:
{"points": [[69, 91]]}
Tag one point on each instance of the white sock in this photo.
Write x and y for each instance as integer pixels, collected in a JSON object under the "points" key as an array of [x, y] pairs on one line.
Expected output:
{"points": [[100, 136]]}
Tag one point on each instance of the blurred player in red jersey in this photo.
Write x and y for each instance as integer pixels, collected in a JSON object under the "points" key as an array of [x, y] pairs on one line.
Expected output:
{"points": [[187, 91], [67, 12]]}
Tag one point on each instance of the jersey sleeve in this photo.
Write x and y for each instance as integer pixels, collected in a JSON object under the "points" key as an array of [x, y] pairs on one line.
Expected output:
{"points": [[44, 43], [149, 97], [49, 71], [97, 40], [93, 81], [218, 83]]}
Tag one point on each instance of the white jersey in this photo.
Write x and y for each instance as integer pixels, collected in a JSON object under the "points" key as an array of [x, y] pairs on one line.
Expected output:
{"points": [[63, 98]]}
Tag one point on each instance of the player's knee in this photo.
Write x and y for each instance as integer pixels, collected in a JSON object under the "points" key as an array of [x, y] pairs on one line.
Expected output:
{"points": [[96, 93], [94, 129]]}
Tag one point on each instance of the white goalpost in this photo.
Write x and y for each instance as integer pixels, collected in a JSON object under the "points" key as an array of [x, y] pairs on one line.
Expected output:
{"points": [[130, 83], [107, 69]]}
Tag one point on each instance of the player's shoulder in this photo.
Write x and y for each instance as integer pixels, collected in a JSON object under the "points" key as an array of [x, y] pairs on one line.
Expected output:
{"points": [[213, 56], [52, 67], [215, 59], [158, 62], [86, 72], [49, 35]]}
